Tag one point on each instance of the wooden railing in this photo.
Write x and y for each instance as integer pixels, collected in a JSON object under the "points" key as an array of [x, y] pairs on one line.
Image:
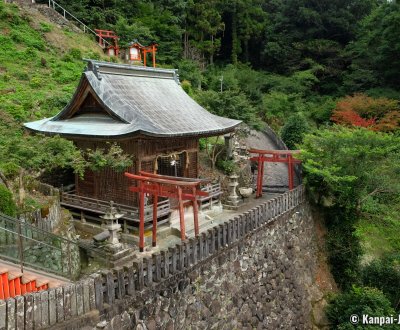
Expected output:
{"points": [[214, 195], [131, 213], [67, 15], [17, 238]]}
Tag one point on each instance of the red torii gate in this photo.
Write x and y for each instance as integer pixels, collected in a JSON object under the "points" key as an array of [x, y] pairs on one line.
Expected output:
{"points": [[103, 34], [166, 186], [274, 156]]}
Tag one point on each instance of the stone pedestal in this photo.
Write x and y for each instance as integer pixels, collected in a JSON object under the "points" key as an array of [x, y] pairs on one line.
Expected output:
{"points": [[233, 200]]}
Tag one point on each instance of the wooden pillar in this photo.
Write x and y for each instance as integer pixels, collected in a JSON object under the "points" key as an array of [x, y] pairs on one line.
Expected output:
{"points": [[181, 214], [144, 57], [290, 171], [141, 217], [154, 56], [262, 177], [195, 212], [259, 176], [155, 204]]}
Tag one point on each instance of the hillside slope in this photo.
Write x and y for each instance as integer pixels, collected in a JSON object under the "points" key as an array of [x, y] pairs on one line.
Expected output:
{"points": [[40, 63]]}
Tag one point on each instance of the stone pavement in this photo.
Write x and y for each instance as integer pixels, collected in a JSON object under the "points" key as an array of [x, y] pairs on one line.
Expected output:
{"points": [[275, 174]]}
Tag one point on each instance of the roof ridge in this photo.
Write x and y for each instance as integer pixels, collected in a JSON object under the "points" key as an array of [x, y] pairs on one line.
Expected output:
{"points": [[102, 67]]}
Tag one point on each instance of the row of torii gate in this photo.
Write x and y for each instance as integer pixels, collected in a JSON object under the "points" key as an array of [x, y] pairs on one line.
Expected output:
{"points": [[188, 189]]}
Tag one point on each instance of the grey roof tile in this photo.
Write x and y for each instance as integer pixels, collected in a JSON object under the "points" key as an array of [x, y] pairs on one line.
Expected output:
{"points": [[145, 100]]}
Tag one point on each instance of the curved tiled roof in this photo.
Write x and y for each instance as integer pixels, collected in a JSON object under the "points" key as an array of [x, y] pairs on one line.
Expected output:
{"points": [[136, 100]]}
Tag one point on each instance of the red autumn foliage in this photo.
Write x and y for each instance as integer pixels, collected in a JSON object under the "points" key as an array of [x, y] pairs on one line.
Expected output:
{"points": [[351, 118], [360, 110]]}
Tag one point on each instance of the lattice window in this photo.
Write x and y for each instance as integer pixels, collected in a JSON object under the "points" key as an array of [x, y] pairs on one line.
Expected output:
{"points": [[173, 165]]}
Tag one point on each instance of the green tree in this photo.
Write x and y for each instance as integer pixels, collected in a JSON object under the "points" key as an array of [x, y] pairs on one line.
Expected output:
{"points": [[232, 104], [382, 274], [293, 131], [348, 167], [375, 52], [359, 301]]}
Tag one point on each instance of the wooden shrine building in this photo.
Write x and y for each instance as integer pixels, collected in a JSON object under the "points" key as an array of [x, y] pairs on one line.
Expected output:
{"points": [[146, 112]]}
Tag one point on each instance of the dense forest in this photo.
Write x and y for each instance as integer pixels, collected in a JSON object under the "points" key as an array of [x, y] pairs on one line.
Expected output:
{"points": [[324, 74]]}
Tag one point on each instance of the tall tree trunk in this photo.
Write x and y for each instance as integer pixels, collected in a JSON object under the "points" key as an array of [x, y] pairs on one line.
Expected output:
{"points": [[185, 45]]}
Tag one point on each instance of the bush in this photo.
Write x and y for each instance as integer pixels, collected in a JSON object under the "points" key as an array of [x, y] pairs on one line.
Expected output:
{"points": [[228, 166], [7, 204], [293, 131], [358, 301], [344, 248], [383, 274]]}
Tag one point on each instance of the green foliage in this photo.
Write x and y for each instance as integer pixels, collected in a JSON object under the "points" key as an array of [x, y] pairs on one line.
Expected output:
{"points": [[7, 205], [190, 71], [293, 131], [45, 27], [355, 174], [230, 104], [345, 166], [228, 166], [113, 157], [358, 301], [382, 274], [343, 247], [375, 50]]}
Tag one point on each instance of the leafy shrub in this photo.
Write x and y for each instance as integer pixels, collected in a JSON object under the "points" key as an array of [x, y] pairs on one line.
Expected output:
{"points": [[343, 248], [383, 274], [380, 114], [293, 131], [358, 301], [232, 104], [7, 204], [187, 87], [228, 166]]}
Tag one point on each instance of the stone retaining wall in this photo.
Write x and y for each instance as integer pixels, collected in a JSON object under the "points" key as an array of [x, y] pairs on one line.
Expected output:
{"points": [[48, 217], [251, 271]]}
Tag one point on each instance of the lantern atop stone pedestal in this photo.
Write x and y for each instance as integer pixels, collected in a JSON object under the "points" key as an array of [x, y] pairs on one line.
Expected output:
{"points": [[111, 218]]}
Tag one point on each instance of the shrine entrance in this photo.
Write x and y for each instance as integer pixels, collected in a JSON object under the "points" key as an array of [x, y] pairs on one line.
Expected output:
{"points": [[274, 156], [155, 185]]}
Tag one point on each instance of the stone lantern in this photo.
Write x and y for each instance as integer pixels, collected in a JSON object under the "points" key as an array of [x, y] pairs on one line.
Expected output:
{"points": [[233, 199], [111, 218]]}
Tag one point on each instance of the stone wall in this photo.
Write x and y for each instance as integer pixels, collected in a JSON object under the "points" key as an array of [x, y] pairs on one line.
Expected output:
{"points": [[253, 271], [47, 218], [263, 281]]}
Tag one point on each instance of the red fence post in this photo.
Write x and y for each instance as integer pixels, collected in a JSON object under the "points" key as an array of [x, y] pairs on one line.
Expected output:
{"points": [[155, 202], [141, 217]]}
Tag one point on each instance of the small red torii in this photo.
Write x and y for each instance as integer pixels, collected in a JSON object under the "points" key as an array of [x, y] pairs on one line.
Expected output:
{"points": [[103, 34], [166, 186], [274, 156]]}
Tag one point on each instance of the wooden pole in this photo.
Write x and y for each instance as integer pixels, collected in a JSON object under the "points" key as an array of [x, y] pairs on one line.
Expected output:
{"points": [[141, 217], [144, 57], [195, 212], [154, 56], [262, 176], [155, 204], [181, 214], [259, 176], [290, 172]]}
